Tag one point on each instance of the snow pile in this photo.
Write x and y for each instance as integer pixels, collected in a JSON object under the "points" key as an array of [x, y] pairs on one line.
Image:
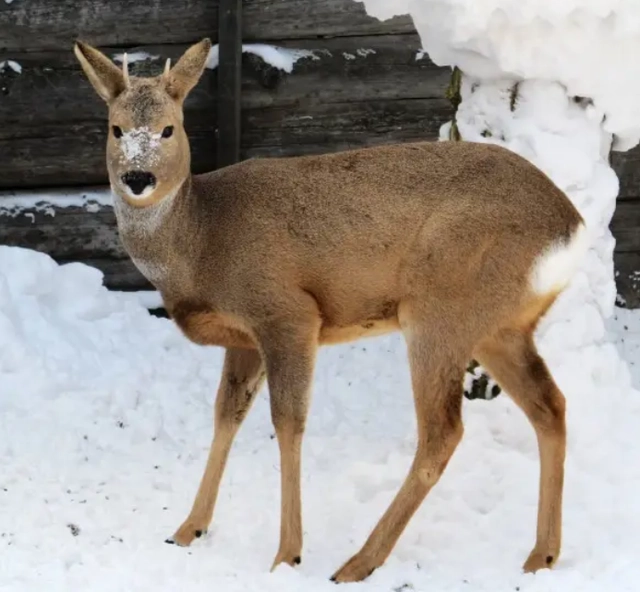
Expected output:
{"points": [[53, 321], [590, 46]]}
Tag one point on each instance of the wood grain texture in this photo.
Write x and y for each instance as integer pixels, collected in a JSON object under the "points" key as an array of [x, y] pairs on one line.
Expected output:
{"points": [[627, 167], [328, 127], [625, 225], [53, 89], [54, 25]]}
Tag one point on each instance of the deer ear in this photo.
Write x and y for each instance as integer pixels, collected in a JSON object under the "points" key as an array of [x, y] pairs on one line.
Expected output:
{"points": [[107, 79], [185, 74]]}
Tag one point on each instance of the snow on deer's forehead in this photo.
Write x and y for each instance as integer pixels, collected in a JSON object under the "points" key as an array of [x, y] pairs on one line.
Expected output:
{"points": [[140, 146]]}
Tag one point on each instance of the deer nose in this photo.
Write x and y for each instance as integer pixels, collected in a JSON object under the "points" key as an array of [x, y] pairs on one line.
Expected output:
{"points": [[138, 181]]}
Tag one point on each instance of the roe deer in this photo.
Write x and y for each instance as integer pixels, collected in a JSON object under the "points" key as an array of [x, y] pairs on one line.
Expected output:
{"points": [[461, 246]]}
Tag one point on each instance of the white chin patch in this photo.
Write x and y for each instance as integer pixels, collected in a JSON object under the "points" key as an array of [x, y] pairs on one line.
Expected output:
{"points": [[148, 190], [555, 267]]}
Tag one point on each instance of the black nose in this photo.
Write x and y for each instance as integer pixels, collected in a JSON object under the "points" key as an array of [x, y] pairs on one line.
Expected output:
{"points": [[138, 181]]}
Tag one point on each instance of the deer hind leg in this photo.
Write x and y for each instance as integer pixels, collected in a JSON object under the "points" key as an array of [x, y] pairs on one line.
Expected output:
{"points": [[436, 372], [512, 359], [242, 376]]}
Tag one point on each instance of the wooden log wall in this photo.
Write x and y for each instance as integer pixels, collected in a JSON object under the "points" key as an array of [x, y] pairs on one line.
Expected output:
{"points": [[625, 227], [363, 86]]}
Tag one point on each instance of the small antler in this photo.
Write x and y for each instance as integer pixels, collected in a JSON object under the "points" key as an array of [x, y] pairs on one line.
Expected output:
{"points": [[167, 67], [125, 69]]}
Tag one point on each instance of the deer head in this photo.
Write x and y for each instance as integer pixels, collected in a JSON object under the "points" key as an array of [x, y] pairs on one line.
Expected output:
{"points": [[148, 155]]}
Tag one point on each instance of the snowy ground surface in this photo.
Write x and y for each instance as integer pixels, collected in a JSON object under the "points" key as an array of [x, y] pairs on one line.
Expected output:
{"points": [[105, 422]]}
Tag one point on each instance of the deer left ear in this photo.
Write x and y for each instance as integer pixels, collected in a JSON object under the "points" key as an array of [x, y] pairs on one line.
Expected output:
{"points": [[185, 74], [107, 79]]}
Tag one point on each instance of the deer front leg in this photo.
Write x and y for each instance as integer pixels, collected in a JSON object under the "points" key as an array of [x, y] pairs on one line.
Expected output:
{"points": [[290, 358], [242, 376]]}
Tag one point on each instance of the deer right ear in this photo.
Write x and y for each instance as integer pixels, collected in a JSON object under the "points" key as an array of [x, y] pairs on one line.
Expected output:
{"points": [[107, 79], [185, 74]]}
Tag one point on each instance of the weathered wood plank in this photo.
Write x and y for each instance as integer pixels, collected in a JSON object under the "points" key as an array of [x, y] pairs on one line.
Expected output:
{"points": [[53, 89], [627, 266], [229, 81], [627, 167], [328, 127], [72, 233], [44, 24], [74, 155], [625, 225], [347, 69]]}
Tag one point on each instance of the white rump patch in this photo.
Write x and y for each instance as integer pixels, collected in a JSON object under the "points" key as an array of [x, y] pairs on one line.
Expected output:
{"points": [[553, 269]]}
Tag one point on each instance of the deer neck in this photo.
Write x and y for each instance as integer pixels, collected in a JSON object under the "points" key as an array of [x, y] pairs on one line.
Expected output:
{"points": [[149, 234]]}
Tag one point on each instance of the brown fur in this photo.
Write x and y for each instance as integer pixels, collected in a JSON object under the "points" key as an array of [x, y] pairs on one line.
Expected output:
{"points": [[272, 258]]}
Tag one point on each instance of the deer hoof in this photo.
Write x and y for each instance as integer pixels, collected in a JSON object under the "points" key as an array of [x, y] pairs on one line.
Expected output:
{"points": [[185, 535], [540, 560], [355, 570], [288, 559]]}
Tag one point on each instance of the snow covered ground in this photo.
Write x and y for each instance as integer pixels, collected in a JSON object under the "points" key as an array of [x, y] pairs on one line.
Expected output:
{"points": [[105, 422]]}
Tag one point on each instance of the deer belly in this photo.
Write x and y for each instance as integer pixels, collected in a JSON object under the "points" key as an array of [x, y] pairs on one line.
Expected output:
{"points": [[331, 334]]}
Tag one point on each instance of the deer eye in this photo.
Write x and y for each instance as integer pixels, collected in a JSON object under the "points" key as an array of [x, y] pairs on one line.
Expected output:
{"points": [[167, 132], [117, 131]]}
